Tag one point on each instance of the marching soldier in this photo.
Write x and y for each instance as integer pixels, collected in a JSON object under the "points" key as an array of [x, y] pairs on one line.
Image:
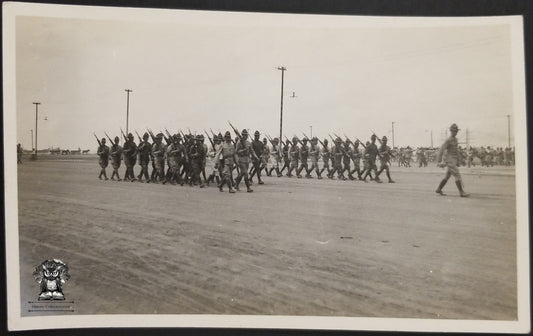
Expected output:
{"points": [[326, 157], [384, 157], [337, 153], [265, 156], [130, 158], [372, 151], [314, 153], [244, 151], [206, 149], [294, 153], [346, 160], [145, 151], [116, 158], [103, 154], [158, 152], [196, 159], [286, 157], [215, 174], [258, 147], [226, 155], [356, 157], [174, 153], [304, 154], [275, 155], [449, 152]]}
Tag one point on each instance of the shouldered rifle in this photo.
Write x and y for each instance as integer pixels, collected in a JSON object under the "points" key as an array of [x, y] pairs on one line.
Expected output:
{"points": [[235, 130], [342, 149], [138, 136], [112, 142], [381, 143], [210, 140], [151, 134], [124, 135], [212, 133], [99, 143], [168, 133]]}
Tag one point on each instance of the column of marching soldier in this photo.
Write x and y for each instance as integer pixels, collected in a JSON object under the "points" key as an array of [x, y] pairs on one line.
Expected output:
{"points": [[186, 155]]}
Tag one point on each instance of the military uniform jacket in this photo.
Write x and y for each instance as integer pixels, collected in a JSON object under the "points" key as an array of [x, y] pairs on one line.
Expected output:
{"points": [[449, 149], [294, 152], [258, 147], [145, 151], [130, 150], [103, 152], [304, 152], [336, 152], [116, 153], [244, 150], [226, 152], [158, 150], [325, 153], [385, 153], [371, 151], [197, 153], [347, 156]]}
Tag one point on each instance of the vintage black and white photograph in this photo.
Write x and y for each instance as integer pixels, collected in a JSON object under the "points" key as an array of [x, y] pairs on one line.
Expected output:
{"points": [[261, 170]]}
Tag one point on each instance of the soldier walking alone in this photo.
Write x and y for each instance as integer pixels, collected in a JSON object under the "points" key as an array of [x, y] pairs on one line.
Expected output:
{"points": [[449, 152]]}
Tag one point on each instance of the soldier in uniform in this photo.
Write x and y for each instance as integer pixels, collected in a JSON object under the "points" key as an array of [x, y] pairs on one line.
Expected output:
{"points": [[294, 153], [372, 151], [303, 155], [19, 153], [158, 152], [258, 147], [244, 151], [116, 158], [326, 156], [215, 173], [356, 157], [314, 153], [130, 157], [275, 155], [286, 157], [145, 151], [265, 156], [103, 155], [226, 155], [196, 156], [206, 149], [173, 152], [449, 152], [384, 157], [346, 159], [337, 153]]}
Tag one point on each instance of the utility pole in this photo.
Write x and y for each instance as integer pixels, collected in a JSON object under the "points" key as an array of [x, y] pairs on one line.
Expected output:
{"points": [[393, 134], [509, 130], [431, 132], [311, 127], [283, 69], [31, 139], [127, 108], [36, 117], [467, 138]]}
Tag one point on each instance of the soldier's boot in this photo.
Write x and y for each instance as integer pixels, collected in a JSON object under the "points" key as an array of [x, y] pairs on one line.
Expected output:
{"points": [[278, 173], [350, 176], [390, 179], [269, 171], [342, 177], [298, 171], [237, 182], [248, 189], [259, 181], [441, 185], [289, 173], [231, 190], [459, 185], [100, 176], [105, 176]]}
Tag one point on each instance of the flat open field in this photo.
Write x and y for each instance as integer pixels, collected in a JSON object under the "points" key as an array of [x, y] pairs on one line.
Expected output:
{"points": [[292, 247]]}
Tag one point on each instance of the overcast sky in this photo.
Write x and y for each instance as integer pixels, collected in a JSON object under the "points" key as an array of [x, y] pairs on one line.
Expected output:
{"points": [[198, 73]]}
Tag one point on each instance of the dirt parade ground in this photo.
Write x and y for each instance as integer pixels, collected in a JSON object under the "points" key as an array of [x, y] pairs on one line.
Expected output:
{"points": [[292, 247]]}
